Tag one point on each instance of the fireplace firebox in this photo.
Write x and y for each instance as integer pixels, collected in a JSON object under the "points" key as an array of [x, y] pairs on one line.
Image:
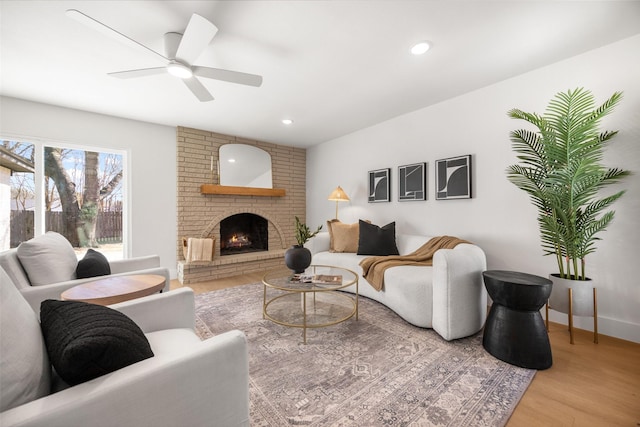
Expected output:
{"points": [[244, 232]]}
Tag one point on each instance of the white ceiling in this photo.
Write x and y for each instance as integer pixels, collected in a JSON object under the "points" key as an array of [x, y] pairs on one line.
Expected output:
{"points": [[332, 66]]}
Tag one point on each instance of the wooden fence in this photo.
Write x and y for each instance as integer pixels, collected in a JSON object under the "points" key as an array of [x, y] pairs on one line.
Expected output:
{"points": [[108, 226]]}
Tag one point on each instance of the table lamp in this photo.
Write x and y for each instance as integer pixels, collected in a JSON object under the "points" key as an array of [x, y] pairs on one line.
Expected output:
{"points": [[338, 195]]}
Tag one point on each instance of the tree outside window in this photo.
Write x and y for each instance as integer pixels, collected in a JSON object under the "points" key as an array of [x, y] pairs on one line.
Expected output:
{"points": [[82, 194]]}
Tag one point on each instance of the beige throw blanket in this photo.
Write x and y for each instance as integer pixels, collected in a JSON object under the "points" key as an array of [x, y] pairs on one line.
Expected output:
{"points": [[197, 250], [373, 268]]}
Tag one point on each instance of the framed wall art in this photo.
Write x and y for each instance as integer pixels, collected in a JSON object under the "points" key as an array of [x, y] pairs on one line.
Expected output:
{"points": [[379, 186], [453, 178], [412, 182]]}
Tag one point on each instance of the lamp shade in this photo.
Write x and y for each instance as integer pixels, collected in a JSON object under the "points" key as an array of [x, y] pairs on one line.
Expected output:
{"points": [[338, 195]]}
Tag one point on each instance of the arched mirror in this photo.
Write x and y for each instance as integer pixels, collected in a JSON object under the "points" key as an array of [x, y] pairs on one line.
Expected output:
{"points": [[244, 165]]}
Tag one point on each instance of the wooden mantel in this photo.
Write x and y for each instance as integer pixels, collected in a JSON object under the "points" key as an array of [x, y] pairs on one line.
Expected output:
{"points": [[241, 191]]}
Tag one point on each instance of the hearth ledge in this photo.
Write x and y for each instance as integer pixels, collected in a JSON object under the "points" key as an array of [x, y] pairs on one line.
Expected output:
{"points": [[240, 258], [230, 265]]}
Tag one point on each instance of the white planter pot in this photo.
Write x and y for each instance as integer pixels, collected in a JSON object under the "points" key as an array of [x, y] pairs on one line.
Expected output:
{"points": [[582, 291]]}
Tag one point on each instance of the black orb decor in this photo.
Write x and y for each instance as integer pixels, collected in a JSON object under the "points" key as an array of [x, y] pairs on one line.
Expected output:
{"points": [[297, 258]]}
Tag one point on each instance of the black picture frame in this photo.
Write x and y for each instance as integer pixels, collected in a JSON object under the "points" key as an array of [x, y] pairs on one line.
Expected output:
{"points": [[412, 182], [453, 178], [379, 186]]}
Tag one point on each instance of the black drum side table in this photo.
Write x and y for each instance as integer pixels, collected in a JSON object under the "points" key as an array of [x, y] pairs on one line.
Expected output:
{"points": [[514, 331]]}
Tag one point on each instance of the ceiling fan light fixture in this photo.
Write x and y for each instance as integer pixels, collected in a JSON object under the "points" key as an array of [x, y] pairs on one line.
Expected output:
{"points": [[181, 50], [180, 70], [420, 48]]}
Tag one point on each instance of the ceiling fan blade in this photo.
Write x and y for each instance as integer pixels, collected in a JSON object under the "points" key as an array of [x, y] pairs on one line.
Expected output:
{"points": [[198, 89], [142, 72], [105, 29], [195, 39], [228, 76]]}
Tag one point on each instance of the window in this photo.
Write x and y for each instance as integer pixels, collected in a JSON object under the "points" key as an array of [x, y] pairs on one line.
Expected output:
{"points": [[80, 195]]}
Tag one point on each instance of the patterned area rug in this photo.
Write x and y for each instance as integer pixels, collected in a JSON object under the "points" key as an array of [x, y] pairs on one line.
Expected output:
{"points": [[375, 371]]}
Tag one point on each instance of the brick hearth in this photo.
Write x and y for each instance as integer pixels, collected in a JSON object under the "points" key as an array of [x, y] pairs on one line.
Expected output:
{"points": [[199, 215]]}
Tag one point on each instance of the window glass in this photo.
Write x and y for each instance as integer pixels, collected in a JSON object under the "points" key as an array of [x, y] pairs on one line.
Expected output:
{"points": [[17, 193], [82, 197]]}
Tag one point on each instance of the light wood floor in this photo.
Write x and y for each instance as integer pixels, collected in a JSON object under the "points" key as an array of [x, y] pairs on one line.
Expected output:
{"points": [[588, 385]]}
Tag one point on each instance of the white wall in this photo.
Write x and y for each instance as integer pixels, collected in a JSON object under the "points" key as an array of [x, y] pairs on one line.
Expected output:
{"points": [[151, 152], [499, 218]]}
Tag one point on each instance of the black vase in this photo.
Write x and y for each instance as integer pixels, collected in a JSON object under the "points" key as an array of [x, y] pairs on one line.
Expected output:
{"points": [[297, 258]]}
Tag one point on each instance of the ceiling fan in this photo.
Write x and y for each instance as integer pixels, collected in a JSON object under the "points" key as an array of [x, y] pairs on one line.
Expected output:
{"points": [[181, 50]]}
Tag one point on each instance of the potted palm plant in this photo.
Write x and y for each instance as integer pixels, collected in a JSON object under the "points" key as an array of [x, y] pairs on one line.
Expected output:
{"points": [[297, 257], [560, 169]]}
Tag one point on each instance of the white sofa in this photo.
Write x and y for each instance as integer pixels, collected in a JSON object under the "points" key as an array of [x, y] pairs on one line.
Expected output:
{"points": [[188, 382], [59, 252], [448, 297]]}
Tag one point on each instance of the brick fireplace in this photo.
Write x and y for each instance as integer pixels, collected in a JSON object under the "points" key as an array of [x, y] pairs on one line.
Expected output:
{"points": [[207, 215]]}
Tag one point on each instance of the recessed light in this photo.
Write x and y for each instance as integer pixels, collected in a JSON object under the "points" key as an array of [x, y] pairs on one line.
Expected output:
{"points": [[287, 121], [420, 48]]}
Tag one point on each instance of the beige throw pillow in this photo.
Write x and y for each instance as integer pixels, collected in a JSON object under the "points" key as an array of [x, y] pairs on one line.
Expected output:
{"points": [[343, 237], [330, 230]]}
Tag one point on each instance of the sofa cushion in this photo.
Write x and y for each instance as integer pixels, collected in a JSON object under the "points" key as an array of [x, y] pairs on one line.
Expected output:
{"points": [[85, 341], [93, 264], [47, 259], [374, 240], [10, 262], [25, 371], [171, 341]]}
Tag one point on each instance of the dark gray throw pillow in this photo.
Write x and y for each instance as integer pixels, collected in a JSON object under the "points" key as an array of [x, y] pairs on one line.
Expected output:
{"points": [[93, 264], [85, 341], [374, 240]]}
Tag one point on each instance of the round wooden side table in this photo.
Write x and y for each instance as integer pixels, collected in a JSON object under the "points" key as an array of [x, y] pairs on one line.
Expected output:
{"points": [[114, 289], [514, 331]]}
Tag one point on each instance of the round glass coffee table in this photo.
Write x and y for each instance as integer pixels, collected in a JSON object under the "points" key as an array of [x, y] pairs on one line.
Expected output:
{"points": [[310, 300]]}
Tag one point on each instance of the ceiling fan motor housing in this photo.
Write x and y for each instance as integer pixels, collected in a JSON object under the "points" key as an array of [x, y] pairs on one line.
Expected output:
{"points": [[171, 43]]}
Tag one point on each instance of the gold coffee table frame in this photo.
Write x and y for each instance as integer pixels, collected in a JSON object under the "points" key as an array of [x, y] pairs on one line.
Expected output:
{"points": [[328, 306]]}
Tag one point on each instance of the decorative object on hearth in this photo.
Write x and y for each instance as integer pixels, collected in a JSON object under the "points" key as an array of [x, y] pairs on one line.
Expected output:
{"points": [[380, 370], [562, 173], [379, 185], [297, 257], [412, 182], [453, 178], [338, 195], [197, 249]]}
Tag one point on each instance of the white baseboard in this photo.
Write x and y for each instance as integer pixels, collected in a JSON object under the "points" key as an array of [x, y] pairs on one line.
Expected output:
{"points": [[606, 326]]}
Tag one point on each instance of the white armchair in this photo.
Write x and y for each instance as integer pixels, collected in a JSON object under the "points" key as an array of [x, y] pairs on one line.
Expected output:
{"points": [[187, 382], [60, 252]]}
